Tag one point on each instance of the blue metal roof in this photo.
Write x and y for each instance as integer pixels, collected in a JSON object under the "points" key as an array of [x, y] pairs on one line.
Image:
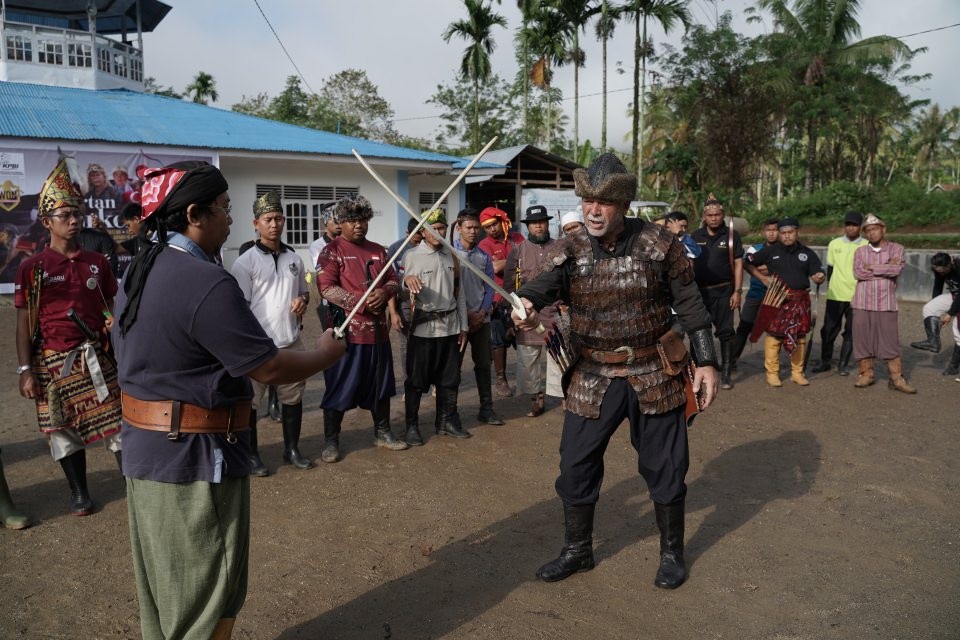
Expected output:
{"points": [[64, 113]]}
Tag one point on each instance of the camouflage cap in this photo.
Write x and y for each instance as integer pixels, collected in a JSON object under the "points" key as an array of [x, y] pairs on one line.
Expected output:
{"points": [[270, 201]]}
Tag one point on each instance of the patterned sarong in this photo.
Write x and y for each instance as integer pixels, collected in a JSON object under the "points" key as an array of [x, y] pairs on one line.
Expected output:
{"points": [[70, 401], [792, 321]]}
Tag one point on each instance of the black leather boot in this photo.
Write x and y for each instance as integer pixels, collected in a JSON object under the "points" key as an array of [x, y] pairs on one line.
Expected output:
{"points": [[577, 552], [486, 414], [273, 405], [726, 357], [931, 324], [449, 419], [826, 358], [332, 421], [382, 436], [953, 368], [75, 469], [257, 468], [291, 417], [411, 410], [672, 572], [843, 365]]}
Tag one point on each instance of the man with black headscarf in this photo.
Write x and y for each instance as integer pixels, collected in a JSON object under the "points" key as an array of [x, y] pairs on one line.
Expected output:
{"points": [[185, 344]]}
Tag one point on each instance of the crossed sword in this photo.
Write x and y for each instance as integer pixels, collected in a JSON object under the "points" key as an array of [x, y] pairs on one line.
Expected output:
{"points": [[512, 298]]}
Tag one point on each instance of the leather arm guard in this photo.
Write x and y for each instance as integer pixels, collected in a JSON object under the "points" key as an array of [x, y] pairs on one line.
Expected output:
{"points": [[702, 349]]}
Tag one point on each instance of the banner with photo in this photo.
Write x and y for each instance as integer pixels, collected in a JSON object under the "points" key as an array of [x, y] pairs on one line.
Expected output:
{"points": [[109, 182]]}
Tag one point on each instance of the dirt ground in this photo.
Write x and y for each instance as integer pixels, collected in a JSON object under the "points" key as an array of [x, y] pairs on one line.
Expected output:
{"points": [[819, 512]]}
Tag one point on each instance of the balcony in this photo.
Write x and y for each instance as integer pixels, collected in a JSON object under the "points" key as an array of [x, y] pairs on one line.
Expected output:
{"points": [[64, 57]]}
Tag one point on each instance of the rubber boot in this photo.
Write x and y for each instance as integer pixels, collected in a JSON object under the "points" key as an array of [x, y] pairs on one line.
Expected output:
{"points": [[726, 360], [382, 436], [897, 382], [332, 420], [826, 357], [257, 468], [273, 405], [931, 324], [843, 365], [672, 572], [411, 411], [865, 373], [500, 366], [953, 368], [796, 364], [75, 469], [577, 552], [537, 402], [771, 360], [9, 516], [448, 417], [291, 417]]}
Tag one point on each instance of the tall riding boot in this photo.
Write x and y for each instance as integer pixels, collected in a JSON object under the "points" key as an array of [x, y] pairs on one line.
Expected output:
{"points": [[726, 360], [449, 418], [577, 552], [257, 468], [273, 404], [9, 516], [865, 373], [931, 324], [500, 366], [739, 342], [382, 436], [953, 368], [411, 417], [486, 414], [291, 417], [897, 381], [826, 357], [796, 364], [332, 419], [75, 469], [846, 350], [672, 572], [771, 360]]}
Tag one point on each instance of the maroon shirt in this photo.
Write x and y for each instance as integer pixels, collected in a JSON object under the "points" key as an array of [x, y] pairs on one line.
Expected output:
{"points": [[499, 250], [65, 286], [342, 280]]}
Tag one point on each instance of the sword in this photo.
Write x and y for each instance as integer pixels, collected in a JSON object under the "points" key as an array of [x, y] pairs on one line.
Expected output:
{"points": [[340, 331], [512, 298]]}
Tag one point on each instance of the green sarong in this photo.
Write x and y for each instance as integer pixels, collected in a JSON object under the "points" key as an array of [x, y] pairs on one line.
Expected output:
{"points": [[191, 546]]}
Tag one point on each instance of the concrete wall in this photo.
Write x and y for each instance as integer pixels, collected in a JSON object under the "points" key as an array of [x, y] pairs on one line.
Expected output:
{"points": [[916, 281]]}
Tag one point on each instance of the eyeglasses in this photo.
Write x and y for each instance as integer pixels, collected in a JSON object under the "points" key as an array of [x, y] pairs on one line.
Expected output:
{"points": [[227, 209], [66, 215]]}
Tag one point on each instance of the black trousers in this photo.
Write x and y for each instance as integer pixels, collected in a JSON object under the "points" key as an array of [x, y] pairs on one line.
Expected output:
{"points": [[717, 301], [432, 361], [835, 314], [479, 342], [660, 441]]}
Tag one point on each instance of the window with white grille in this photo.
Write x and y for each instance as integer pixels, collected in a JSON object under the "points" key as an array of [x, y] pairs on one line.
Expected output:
{"points": [[302, 205], [50, 52], [19, 48], [120, 65], [427, 198], [103, 60], [79, 55]]}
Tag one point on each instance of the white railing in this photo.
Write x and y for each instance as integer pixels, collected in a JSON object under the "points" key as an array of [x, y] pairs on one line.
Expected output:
{"points": [[36, 44]]}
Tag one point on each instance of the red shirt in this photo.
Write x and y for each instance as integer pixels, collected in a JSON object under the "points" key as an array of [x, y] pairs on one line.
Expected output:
{"points": [[65, 286], [499, 250], [342, 279]]}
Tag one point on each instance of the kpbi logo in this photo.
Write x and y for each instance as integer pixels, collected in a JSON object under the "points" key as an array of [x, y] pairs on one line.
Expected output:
{"points": [[11, 163]]}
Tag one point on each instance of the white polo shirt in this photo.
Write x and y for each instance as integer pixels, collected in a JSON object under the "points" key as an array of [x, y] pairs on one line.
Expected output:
{"points": [[271, 282]]}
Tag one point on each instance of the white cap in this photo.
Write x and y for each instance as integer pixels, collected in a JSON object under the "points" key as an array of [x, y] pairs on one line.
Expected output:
{"points": [[571, 216]]}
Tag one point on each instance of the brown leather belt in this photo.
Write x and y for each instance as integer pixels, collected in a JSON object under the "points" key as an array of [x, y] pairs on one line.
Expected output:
{"points": [[175, 417], [620, 355]]}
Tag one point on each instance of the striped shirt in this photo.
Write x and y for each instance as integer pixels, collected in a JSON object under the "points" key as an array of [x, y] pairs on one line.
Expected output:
{"points": [[876, 270]]}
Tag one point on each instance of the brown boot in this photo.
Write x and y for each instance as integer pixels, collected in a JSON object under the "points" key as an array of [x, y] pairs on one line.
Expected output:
{"points": [[771, 360], [500, 366], [865, 374], [796, 364], [897, 381]]}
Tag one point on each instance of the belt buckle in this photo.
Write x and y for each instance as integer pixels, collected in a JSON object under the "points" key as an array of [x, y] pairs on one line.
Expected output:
{"points": [[631, 355]]}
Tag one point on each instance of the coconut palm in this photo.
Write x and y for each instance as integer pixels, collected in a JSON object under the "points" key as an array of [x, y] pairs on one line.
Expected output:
{"points": [[604, 28], [475, 65], [545, 40], [203, 87], [527, 9], [576, 14], [935, 130], [668, 13]]}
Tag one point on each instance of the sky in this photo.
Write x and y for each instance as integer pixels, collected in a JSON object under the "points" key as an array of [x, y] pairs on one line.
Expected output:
{"points": [[400, 47]]}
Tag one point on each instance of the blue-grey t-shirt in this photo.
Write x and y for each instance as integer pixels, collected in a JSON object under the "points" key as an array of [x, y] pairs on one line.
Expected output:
{"points": [[194, 340]]}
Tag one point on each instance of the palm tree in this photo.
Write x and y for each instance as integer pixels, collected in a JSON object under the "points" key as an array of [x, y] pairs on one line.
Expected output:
{"points": [[203, 87], [545, 40], [817, 36], [604, 29], [475, 65], [576, 14], [527, 9], [935, 130], [668, 13]]}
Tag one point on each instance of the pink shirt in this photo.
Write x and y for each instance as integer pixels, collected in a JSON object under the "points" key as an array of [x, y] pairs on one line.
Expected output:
{"points": [[876, 271]]}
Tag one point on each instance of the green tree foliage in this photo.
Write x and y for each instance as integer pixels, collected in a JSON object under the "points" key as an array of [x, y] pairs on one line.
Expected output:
{"points": [[150, 86], [500, 115], [355, 102], [203, 88]]}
